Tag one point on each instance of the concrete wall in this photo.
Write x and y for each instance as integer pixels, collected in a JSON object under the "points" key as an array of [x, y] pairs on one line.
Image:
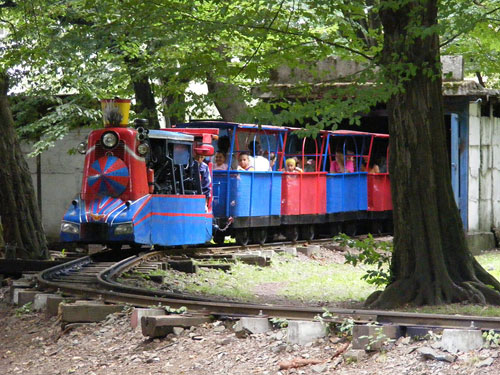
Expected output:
{"points": [[61, 179], [484, 170]]}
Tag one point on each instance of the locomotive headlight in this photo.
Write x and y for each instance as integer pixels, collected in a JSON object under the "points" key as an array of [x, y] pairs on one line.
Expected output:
{"points": [[127, 228], [82, 148], [143, 149], [70, 228], [109, 139]]}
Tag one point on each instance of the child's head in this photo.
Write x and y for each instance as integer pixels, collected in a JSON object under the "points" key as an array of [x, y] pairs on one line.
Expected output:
{"points": [[220, 158], [244, 160], [199, 158], [290, 165]]}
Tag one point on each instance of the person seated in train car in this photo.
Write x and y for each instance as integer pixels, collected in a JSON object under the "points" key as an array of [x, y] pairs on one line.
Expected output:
{"points": [[244, 162], [205, 178], [382, 162], [310, 166], [291, 166], [271, 157], [372, 168], [258, 161], [338, 165], [220, 161]]}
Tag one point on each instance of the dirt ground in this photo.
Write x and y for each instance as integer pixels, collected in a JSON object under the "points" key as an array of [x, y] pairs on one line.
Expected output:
{"points": [[31, 343], [34, 344]]}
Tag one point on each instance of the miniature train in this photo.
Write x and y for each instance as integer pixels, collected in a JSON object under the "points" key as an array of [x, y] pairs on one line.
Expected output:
{"points": [[143, 187]]}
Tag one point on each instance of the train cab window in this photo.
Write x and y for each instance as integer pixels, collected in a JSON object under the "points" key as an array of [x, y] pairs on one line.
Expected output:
{"points": [[181, 154], [175, 172]]}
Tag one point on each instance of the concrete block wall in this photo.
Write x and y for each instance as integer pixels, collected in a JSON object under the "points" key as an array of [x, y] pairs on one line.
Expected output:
{"points": [[61, 179], [474, 165], [484, 171]]}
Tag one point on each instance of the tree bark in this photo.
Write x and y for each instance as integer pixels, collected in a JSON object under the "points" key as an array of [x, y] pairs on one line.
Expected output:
{"points": [[21, 221], [431, 263], [227, 98], [145, 101]]}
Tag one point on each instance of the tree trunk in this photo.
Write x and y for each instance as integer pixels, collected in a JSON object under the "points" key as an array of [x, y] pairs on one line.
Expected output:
{"points": [[431, 263], [145, 101], [227, 98], [21, 221]]}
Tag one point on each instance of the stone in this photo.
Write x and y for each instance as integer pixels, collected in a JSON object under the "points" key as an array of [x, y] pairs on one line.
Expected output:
{"points": [[177, 331], [138, 313], [87, 311], [480, 241], [24, 296], [289, 250], [430, 353], [301, 332], [355, 355], [253, 325], [318, 369], [373, 337], [463, 340], [306, 250], [268, 253], [53, 302], [252, 259], [485, 363], [40, 301], [159, 326]]}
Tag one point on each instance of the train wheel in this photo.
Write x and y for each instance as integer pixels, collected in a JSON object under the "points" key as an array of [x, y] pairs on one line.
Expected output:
{"points": [[307, 232], [219, 237], [334, 229], [259, 235], [350, 229], [292, 233], [376, 227], [242, 237]]}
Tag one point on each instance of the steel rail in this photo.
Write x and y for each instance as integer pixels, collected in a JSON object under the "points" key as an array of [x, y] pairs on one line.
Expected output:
{"points": [[110, 290]]}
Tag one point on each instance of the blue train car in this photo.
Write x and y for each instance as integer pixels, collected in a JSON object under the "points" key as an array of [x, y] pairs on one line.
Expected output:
{"points": [[250, 201]]}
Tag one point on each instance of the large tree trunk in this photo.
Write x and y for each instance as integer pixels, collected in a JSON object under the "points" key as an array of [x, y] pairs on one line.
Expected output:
{"points": [[22, 226], [227, 98], [146, 105], [431, 263]]}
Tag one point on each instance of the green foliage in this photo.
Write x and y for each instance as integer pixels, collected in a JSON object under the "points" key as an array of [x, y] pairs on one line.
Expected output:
{"points": [[98, 49], [372, 253], [379, 338], [24, 309], [180, 310], [345, 328], [491, 339], [279, 322]]}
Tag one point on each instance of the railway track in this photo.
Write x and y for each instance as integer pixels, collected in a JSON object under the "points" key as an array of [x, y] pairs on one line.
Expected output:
{"points": [[92, 277]]}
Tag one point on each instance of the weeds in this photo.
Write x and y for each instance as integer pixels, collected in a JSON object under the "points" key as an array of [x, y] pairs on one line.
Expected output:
{"points": [[491, 339], [24, 309], [372, 253]]}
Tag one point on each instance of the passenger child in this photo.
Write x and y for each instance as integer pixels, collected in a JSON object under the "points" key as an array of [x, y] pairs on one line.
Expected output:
{"points": [[244, 162], [206, 181], [220, 161], [338, 165], [291, 166]]}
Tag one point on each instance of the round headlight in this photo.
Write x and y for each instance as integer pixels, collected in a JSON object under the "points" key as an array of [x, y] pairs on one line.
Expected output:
{"points": [[109, 140], [82, 148], [143, 149]]}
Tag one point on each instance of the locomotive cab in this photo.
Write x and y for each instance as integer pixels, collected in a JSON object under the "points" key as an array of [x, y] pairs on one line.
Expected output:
{"points": [[139, 187]]}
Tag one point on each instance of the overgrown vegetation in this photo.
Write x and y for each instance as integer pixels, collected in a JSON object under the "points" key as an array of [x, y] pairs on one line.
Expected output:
{"points": [[371, 253]]}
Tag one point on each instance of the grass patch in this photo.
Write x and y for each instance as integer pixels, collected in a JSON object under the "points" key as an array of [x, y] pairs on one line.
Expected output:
{"points": [[458, 309], [310, 281], [491, 263]]}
